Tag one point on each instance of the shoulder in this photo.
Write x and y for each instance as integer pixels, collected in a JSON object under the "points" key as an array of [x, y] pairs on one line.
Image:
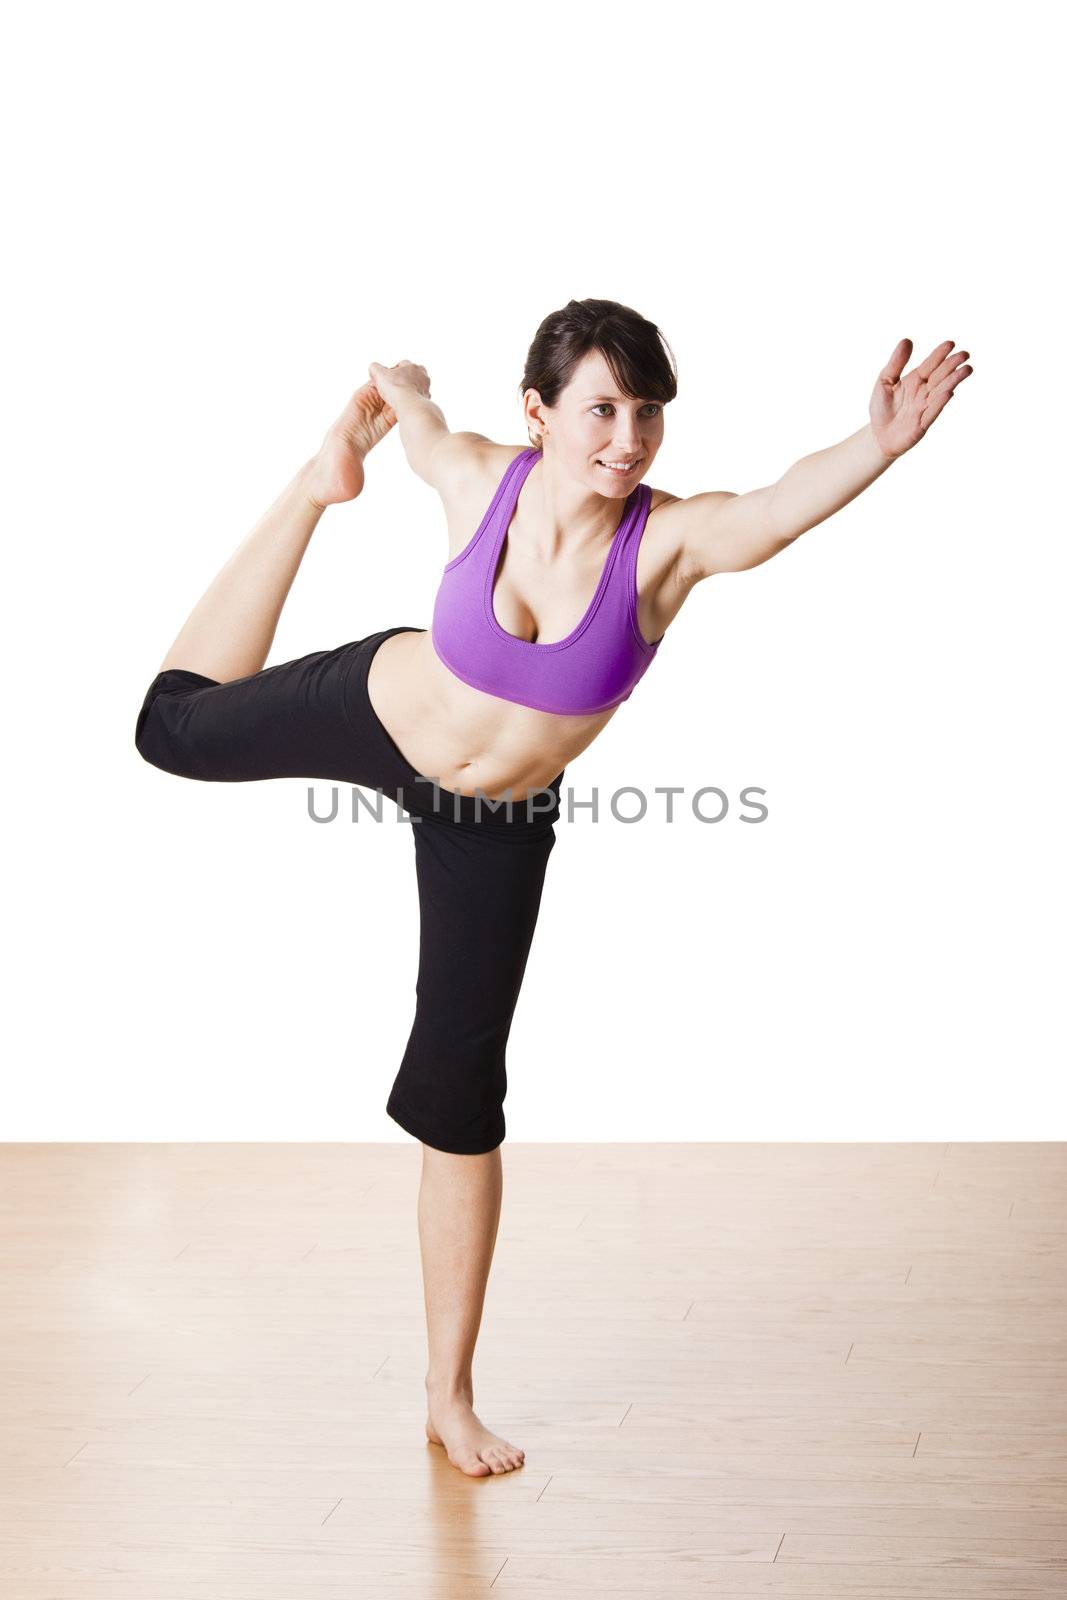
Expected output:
{"points": [[658, 552], [660, 497], [466, 470], [675, 523], [462, 464]]}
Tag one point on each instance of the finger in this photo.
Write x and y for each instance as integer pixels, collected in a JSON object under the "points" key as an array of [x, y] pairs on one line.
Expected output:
{"points": [[895, 365], [951, 380], [943, 368], [937, 404], [934, 360]]}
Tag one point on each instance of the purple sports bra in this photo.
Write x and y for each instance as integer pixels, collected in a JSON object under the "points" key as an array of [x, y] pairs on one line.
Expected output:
{"points": [[595, 667]]}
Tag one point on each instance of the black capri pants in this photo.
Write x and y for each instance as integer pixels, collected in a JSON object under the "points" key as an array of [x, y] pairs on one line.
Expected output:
{"points": [[480, 864]]}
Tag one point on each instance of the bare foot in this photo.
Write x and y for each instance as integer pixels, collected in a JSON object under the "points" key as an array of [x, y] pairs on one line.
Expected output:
{"points": [[336, 473], [470, 1445]]}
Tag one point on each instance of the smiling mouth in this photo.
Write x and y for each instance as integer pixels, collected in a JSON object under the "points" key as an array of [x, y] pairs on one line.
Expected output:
{"points": [[620, 472]]}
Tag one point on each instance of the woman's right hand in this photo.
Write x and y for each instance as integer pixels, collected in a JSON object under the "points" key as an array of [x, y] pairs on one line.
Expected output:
{"points": [[389, 381]]}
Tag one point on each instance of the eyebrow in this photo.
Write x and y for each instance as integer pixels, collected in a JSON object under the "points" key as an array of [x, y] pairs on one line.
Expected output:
{"points": [[611, 397]]}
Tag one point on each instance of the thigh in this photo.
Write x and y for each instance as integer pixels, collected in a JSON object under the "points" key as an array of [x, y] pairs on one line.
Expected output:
{"points": [[306, 718], [479, 898]]}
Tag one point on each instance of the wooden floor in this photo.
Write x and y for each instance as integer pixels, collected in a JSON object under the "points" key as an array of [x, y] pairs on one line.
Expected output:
{"points": [[736, 1370]]}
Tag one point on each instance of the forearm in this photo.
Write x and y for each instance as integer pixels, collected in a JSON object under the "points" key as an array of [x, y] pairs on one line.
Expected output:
{"points": [[421, 423], [818, 485], [230, 630]]}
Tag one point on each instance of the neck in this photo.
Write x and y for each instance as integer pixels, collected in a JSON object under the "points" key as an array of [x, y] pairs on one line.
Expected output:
{"points": [[568, 516]]}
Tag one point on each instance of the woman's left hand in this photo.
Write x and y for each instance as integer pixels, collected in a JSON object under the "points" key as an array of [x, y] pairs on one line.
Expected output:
{"points": [[902, 408]]}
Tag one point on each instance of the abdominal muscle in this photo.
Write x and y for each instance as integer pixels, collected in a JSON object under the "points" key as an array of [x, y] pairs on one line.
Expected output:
{"points": [[467, 740]]}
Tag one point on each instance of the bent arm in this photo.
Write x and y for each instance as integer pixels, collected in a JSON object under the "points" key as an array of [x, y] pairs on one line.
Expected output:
{"points": [[722, 532]]}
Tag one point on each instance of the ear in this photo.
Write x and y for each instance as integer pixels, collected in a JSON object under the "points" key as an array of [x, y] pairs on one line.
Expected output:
{"points": [[535, 427]]}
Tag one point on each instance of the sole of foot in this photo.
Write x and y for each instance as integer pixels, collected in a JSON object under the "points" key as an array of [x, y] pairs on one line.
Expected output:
{"points": [[336, 473]]}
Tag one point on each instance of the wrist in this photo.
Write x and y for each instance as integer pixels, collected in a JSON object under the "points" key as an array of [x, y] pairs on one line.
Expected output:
{"points": [[306, 482], [407, 399], [878, 453]]}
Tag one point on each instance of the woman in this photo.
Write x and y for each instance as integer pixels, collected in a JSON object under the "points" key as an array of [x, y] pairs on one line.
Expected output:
{"points": [[553, 604]]}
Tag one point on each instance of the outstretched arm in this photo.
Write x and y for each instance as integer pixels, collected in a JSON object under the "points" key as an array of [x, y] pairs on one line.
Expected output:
{"points": [[723, 532]]}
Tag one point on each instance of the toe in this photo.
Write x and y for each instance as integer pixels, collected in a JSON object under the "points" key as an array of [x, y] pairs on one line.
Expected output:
{"points": [[470, 1462]]}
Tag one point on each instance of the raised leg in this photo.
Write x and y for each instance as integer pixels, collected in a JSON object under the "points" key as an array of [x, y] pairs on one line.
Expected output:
{"points": [[229, 632], [299, 719]]}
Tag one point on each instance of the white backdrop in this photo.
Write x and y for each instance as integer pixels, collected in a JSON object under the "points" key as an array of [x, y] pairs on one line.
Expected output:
{"points": [[220, 215]]}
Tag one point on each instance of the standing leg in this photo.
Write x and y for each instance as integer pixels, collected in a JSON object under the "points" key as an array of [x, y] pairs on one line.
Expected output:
{"points": [[479, 895], [459, 1212]]}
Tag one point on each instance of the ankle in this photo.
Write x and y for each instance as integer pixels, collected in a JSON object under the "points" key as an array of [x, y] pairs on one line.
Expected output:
{"points": [[450, 1388], [312, 475]]}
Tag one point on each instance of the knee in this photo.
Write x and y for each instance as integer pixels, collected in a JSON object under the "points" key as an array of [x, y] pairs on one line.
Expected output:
{"points": [[148, 737], [153, 742], [453, 1124], [163, 736], [431, 1150]]}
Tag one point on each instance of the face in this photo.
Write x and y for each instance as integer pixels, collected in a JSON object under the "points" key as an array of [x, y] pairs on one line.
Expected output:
{"points": [[592, 423]]}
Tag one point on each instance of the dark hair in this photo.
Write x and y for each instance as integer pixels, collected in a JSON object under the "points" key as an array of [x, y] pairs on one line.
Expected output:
{"points": [[633, 348]]}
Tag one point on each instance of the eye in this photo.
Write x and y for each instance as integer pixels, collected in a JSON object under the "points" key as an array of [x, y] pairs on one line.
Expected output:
{"points": [[652, 406]]}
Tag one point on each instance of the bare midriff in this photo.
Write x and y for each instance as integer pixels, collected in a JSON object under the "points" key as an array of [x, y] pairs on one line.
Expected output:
{"points": [[469, 741]]}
